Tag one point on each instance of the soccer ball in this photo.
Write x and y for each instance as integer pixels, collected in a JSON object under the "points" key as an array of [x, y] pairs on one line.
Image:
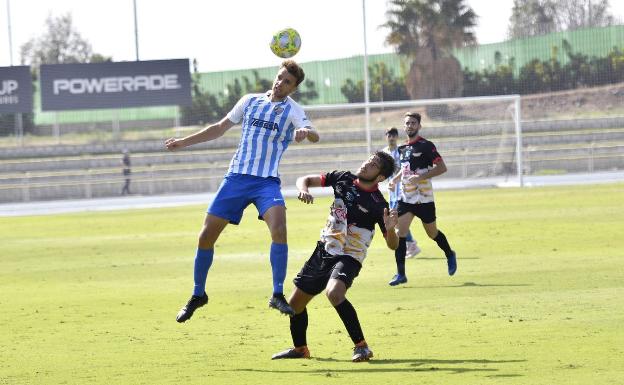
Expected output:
{"points": [[286, 43]]}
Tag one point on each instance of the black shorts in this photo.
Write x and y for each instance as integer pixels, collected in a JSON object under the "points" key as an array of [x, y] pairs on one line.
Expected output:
{"points": [[424, 211], [322, 266]]}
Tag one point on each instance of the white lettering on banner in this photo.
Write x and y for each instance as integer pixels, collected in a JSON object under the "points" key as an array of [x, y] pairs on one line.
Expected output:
{"points": [[8, 86], [78, 86], [141, 82], [8, 99], [171, 81], [125, 83], [91, 86]]}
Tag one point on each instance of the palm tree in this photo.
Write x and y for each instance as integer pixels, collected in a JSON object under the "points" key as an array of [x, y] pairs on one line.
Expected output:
{"points": [[426, 32]]}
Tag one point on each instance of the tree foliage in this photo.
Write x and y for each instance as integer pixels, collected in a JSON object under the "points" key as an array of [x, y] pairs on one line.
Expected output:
{"points": [[436, 26], [384, 86], [580, 70], [532, 18], [539, 17], [575, 14], [60, 42], [426, 32]]}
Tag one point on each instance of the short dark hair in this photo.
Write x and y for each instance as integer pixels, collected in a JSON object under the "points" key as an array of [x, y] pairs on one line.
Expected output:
{"points": [[388, 167], [392, 131], [294, 69], [414, 115]]}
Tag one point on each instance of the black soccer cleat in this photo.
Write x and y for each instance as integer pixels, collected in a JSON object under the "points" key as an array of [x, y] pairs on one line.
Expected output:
{"points": [[361, 353], [278, 301], [292, 353], [193, 304]]}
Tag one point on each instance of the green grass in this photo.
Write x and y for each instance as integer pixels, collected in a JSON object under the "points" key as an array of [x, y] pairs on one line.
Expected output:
{"points": [[91, 298]]}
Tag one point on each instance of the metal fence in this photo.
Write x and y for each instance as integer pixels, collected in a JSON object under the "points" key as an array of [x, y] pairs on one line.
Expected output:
{"points": [[569, 125], [479, 138]]}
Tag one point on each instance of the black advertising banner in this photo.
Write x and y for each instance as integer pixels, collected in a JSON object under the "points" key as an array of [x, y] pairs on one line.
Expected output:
{"points": [[15, 89], [115, 85]]}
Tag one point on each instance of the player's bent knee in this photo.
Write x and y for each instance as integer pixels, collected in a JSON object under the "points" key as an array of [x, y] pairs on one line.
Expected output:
{"points": [[298, 300], [298, 309], [278, 233], [335, 296]]}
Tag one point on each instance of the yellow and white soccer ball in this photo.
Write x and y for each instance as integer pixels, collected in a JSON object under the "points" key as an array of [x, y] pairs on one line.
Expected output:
{"points": [[286, 43]]}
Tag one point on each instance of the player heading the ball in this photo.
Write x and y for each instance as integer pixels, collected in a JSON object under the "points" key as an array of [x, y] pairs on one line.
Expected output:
{"points": [[270, 122]]}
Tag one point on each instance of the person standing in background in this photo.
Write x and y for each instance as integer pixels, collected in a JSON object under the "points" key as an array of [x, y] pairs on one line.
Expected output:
{"points": [[125, 169]]}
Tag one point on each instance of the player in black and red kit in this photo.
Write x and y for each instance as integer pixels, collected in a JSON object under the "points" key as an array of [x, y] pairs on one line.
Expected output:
{"points": [[420, 161], [358, 205]]}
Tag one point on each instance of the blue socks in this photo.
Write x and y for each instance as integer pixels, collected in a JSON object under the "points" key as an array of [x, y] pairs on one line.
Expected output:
{"points": [[279, 262], [409, 237], [203, 260]]}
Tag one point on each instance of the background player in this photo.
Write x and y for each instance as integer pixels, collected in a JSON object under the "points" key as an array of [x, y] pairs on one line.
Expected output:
{"points": [[392, 137], [420, 161], [269, 123], [358, 205]]}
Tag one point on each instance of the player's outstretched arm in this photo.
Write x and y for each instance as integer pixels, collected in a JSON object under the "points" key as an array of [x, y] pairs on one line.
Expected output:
{"points": [[303, 183], [306, 132], [206, 134], [391, 219]]}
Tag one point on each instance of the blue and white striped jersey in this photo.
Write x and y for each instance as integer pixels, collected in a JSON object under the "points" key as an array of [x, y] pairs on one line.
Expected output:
{"points": [[267, 129], [394, 194]]}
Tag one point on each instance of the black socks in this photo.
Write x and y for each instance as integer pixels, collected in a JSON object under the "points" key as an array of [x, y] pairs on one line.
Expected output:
{"points": [[349, 318], [298, 327], [347, 313], [443, 243], [399, 256]]}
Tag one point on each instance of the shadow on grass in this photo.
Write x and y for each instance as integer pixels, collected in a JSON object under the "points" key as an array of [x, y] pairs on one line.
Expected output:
{"points": [[439, 258], [414, 365], [423, 361], [468, 284]]}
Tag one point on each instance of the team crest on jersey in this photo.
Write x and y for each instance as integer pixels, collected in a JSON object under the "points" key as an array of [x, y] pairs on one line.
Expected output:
{"points": [[278, 110], [338, 210]]}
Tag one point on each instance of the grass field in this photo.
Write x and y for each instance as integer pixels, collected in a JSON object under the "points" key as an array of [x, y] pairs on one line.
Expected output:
{"points": [[91, 298]]}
